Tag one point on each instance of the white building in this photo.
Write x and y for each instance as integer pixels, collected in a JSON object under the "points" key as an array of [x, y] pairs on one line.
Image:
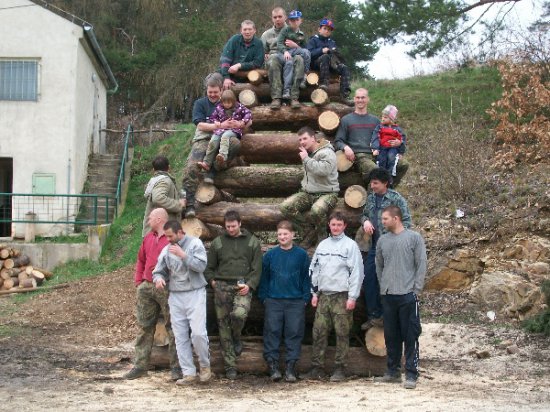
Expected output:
{"points": [[54, 81]]}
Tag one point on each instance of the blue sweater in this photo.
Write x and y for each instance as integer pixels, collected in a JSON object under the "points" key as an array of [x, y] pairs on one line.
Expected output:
{"points": [[285, 275]]}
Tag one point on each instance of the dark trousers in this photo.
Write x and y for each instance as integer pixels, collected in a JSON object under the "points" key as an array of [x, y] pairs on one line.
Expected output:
{"points": [[283, 317], [371, 288], [402, 326]]}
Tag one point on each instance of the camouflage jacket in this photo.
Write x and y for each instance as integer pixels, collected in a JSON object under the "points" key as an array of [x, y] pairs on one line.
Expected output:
{"points": [[374, 214]]}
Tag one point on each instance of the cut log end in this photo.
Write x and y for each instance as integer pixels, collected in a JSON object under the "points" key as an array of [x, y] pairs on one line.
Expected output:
{"points": [[320, 97], [28, 283], [342, 162], [312, 79], [374, 341], [355, 196], [328, 121], [193, 227], [255, 77], [248, 98]]}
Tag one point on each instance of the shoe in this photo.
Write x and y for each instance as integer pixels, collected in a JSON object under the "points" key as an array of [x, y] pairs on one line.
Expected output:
{"points": [[186, 380], [231, 373], [205, 375], [175, 374], [295, 104], [220, 160], [410, 383], [314, 373], [208, 180], [347, 101], [388, 378], [275, 104], [303, 84], [286, 94], [379, 322], [274, 372], [290, 372], [237, 347], [338, 375], [203, 166], [190, 212], [134, 373], [323, 86]]}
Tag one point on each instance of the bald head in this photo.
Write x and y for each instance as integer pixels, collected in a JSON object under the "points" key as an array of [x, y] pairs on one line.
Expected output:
{"points": [[157, 218]]}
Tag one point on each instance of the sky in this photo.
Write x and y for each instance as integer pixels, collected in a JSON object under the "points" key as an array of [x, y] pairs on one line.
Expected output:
{"points": [[392, 62]]}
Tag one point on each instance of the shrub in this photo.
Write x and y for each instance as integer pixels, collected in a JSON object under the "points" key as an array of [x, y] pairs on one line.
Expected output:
{"points": [[541, 322]]}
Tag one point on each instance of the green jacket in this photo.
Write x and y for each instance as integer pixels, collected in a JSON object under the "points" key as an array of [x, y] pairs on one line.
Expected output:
{"points": [[288, 33], [251, 56], [320, 171], [234, 258], [269, 39], [161, 191]]}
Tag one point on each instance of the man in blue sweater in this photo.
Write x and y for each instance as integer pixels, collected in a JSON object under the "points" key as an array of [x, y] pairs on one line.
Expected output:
{"points": [[285, 291]]}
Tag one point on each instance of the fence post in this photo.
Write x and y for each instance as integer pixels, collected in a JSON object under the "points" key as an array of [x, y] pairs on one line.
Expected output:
{"points": [[30, 236]]}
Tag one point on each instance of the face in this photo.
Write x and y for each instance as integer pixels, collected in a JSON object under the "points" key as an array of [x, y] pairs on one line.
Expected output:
{"points": [[278, 18], [285, 236], [336, 227], [233, 228], [325, 31], [154, 222], [248, 31], [227, 104], [307, 141], [385, 119], [213, 93], [294, 23], [173, 237], [361, 99], [378, 187], [390, 222]]}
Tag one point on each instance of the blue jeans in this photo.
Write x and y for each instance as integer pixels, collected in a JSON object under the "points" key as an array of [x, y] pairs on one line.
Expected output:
{"points": [[386, 159], [283, 317], [371, 288], [402, 326]]}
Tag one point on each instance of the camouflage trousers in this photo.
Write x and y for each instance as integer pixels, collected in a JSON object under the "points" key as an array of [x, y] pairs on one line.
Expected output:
{"points": [[275, 68], [365, 162], [231, 311], [327, 63], [151, 303], [331, 312], [313, 225]]}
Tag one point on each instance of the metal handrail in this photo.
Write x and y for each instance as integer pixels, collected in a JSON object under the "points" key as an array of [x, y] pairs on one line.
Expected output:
{"points": [[124, 160]]}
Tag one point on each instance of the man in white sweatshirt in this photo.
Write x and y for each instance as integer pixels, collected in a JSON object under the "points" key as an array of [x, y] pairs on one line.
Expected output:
{"points": [[336, 273]]}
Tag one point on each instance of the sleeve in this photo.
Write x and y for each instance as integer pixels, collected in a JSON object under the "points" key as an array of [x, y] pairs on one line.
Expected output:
{"points": [[226, 59], [196, 256], [253, 277], [314, 48], [246, 113], [402, 204], [212, 260], [160, 198], [263, 289], [314, 273], [379, 260], [340, 141], [263, 38], [281, 40], [375, 139], [140, 265], [322, 166], [306, 282], [403, 148], [355, 265], [215, 116], [366, 210], [199, 114], [420, 263], [257, 52], [161, 270]]}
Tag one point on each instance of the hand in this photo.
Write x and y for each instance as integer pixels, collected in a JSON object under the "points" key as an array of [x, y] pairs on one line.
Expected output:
{"points": [[303, 153], [287, 56], [349, 154], [394, 143], [350, 304], [368, 227], [235, 68], [160, 283], [234, 124], [177, 250], [228, 83], [314, 301], [375, 152], [325, 50], [183, 202], [243, 289], [213, 283], [291, 43]]}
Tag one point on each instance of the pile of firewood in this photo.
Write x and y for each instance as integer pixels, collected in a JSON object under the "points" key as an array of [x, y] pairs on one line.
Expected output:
{"points": [[16, 272]]}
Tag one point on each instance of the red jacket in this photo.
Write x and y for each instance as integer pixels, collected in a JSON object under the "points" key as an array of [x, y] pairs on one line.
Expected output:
{"points": [[388, 133], [148, 255]]}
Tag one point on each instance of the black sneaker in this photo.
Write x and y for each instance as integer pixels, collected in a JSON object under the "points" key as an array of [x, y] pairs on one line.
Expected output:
{"points": [[134, 373], [410, 383], [231, 373], [190, 212], [314, 373], [338, 375], [175, 374], [388, 378]]}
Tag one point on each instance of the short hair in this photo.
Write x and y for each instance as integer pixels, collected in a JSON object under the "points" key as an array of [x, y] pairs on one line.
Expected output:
{"points": [[174, 225], [277, 9], [161, 163], [228, 96], [231, 216], [362, 89], [247, 23], [214, 80], [306, 129], [286, 224], [380, 174], [394, 211], [337, 215]]}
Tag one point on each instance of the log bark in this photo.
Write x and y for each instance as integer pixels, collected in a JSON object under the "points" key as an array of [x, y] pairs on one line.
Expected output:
{"points": [[28, 270], [27, 283], [18, 261], [38, 276], [319, 97], [342, 162], [375, 342], [208, 194], [270, 148], [22, 276], [256, 77], [355, 196], [248, 98], [329, 122], [263, 91], [251, 75]]}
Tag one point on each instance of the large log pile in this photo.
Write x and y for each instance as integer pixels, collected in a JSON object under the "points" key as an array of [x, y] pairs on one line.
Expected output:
{"points": [[17, 274]]}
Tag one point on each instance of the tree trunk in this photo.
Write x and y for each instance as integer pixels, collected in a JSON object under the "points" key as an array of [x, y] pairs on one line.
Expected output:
{"points": [[270, 148], [28, 283], [204, 231], [22, 260], [47, 273], [355, 196], [375, 342], [329, 122], [208, 194], [38, 276], [263, 91], [319, 97]]}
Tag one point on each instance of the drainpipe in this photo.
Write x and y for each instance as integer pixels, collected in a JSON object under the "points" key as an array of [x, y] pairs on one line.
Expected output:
{"points": [[89, 31]]}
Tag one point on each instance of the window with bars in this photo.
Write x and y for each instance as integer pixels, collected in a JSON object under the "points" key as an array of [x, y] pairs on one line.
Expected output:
{"points": [[19, 80]]}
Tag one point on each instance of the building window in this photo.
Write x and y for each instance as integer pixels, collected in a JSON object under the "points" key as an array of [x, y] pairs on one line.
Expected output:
{"points": [[19, 80]]}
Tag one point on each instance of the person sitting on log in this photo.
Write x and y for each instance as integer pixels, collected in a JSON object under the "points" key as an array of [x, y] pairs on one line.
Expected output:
{"points": [[292, 32], [320, 187], [276, 67], [387, 156], [242, 52], [354, 136], [285, 291], [227, 109], [336, 273], [326, 58]]}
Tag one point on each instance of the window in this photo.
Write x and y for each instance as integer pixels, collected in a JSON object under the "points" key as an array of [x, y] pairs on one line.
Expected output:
{"points": [[19, 80]]}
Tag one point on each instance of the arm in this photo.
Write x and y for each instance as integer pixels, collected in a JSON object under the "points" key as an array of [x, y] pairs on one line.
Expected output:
{"points": [[140, 265], [314, 274], [196, 257], [315, 49], [379, 260], [253, 277], [161, 269], [281, 40], [257, 56], [160, 198], [341, 140], [212, 261], [355, 266], [420, 263], [265, 278], [306, 282], [323, 166]]}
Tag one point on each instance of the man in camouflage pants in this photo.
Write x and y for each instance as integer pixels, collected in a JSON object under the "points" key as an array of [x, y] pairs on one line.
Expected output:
{"points": [[319, 192], [234, 265], [336, 273], [151, 302]]}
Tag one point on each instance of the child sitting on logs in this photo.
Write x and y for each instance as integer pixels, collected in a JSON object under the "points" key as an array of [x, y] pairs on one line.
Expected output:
{"points": [[388, 140], [236, 117]]}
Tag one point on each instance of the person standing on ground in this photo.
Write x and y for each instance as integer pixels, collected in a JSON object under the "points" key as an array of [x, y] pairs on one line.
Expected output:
{"points": [[285, 291], [151, 302], [401, 266], [180, 268], [233, 271]]}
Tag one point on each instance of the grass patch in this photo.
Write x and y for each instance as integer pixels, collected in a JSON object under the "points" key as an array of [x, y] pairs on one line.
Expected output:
{"points": [[76, 238], [541, 322]]}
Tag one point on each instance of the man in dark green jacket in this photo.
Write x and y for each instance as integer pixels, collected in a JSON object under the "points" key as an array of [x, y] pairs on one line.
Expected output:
{"points": [[242, 52], [233, 270]]}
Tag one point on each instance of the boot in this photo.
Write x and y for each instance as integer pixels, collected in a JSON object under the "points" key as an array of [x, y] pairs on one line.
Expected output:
{"points": [[290, 373], [274, 372], [190, 208], [275, 104]]}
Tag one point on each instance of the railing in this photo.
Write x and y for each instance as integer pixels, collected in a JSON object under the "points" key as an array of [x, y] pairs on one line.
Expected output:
{"points": [[123, 162]]}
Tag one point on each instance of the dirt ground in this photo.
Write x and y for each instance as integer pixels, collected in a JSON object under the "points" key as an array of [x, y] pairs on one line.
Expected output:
{"points": [[66, 350]]}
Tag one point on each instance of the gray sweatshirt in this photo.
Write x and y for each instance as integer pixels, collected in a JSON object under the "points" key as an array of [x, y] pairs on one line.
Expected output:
{"points": [[401, 263], [320, 170]]}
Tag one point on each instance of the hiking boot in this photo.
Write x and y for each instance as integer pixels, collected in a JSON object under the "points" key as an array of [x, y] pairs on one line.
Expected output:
{"points": [[175, 374], [338, 375], [220, 160], [204, 166], [134, 373], [347, 101], [410, 383], [286, 94], [314, 373], [290, 373], [388, 378], [274, 372], [237, 347], [295, 104], [231, 373], [275, 104], [190, 212], [205, 375], [303, 84], [186, 380]]}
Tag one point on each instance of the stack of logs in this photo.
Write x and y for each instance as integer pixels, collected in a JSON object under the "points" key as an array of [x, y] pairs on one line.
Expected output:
{"points": [[17, 274]]}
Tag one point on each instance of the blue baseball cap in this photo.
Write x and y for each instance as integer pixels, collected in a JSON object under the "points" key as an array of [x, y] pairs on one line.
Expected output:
{"points": [[295, 14], [327, 22]]}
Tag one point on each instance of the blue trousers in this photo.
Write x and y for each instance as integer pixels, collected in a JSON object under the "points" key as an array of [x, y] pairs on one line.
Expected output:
{"points": [[386, 159], [371, 288], [283, 317], [402, 327]]}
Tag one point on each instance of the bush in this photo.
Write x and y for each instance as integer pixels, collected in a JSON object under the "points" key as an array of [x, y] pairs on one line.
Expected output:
{"points": [[541, 322]]}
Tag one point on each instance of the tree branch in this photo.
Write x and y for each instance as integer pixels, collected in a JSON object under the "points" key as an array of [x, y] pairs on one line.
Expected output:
{"points": [[484, 3]]}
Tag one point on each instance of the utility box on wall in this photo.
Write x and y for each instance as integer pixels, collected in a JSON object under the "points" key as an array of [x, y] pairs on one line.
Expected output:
{"points": [[43, 183]]}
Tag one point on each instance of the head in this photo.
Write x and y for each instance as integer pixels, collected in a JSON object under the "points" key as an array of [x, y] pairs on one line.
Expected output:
{"points": [[326, 26], [306, 137], [392, 218], [228, 99], [232, 223], [295, 19], [157, 218], [379, 180], [161, 164], [389, 114], [214, 85], [361, 99], [173, 231], [337, 223], [278, 17], [248, 30]]}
